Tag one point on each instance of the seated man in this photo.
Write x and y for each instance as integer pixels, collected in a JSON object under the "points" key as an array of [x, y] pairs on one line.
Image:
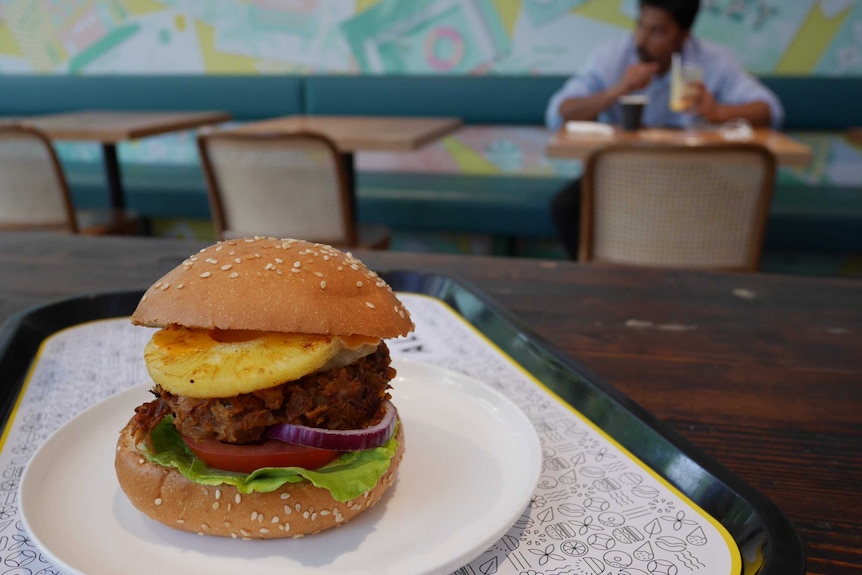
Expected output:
{"points": [[640, 63]]}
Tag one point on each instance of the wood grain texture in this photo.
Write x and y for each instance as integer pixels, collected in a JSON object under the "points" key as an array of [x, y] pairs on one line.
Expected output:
{"points": [[763, 373], [118, 126], [354, 133]]}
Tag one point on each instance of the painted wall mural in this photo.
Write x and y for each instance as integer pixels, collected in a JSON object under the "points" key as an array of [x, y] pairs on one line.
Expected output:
{"points": [[798, 37]]}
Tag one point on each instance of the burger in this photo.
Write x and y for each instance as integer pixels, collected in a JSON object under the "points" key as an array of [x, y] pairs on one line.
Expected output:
{"points": [[271, 414]]}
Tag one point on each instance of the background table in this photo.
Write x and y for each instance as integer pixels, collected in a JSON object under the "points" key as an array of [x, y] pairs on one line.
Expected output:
{"points": [[578, 146], [761, 372], [111, 127]]}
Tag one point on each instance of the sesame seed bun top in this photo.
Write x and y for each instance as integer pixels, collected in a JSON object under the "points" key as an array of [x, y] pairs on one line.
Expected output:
{"points": [[269, 284]]}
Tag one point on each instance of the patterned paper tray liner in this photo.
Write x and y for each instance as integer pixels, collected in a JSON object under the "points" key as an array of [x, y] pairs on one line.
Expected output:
{"points": [[597, 508]]}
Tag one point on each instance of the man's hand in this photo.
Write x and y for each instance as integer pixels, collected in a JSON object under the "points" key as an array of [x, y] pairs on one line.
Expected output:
{"points": [[636, 77], [700, 101]]}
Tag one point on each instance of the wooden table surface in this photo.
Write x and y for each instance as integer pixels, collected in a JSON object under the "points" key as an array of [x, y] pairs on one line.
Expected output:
{"points": [[107, 126], [354, 133], [563, 144], [762, 372], [110, 127]]}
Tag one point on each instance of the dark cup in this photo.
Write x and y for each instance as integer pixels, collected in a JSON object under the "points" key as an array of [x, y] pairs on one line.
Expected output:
{"points": [[633, 107]]}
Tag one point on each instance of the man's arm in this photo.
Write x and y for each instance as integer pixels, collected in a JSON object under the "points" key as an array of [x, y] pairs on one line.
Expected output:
{"points": [[730, 92], [636, 77], [703, 103]]}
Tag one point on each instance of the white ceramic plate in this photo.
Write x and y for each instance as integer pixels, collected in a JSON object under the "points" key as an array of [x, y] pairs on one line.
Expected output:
{"points": [[471, 466]]}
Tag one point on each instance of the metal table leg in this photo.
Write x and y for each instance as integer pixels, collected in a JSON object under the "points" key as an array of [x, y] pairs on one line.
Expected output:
{"points": [[113, 177]]}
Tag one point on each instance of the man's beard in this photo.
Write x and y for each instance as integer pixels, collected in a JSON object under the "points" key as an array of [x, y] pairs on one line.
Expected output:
{"points": [[644, 55]]}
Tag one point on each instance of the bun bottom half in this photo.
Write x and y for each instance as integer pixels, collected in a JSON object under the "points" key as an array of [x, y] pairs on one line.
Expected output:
{"points": [[294, 510]]}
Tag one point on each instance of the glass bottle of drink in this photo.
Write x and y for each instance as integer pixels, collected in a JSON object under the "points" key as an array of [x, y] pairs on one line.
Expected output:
{"points": [[677, 84]]}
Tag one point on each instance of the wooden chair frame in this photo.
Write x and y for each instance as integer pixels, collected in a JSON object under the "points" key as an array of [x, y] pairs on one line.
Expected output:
{"points": [[71, 221], [586, 244], [215, 192]]}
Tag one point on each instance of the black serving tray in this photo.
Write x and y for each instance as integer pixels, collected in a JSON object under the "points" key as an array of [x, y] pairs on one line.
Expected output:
{"points": [[757, 526]]}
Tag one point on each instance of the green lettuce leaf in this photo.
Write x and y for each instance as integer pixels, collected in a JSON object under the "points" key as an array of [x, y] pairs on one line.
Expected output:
{"points": [[346, 477]]}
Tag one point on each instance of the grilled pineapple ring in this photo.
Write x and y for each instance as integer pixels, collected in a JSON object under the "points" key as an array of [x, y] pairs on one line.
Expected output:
{"points": [[212, 363]]}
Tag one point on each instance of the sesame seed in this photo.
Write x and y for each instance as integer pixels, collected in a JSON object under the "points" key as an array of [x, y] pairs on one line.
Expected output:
{"points": [[144, 298], [264, 530], [237, 260], [180, 286], [244, 533], [157, 285], [204, 526], [275, 519], [237, 499], [226, 267], [297, 263], [254, 515], [268, 266], [279, 261], [233, 275], [218, 493], [285, 495], [295, 270], [211, 261], [359, 284], [181, 521], [215, 505], [318, 274], [206, 274], [323, 285], [369, 304], [158, 501]]}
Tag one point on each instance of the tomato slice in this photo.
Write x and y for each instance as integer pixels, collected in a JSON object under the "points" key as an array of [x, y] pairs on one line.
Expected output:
{"points": [[247, 458]]}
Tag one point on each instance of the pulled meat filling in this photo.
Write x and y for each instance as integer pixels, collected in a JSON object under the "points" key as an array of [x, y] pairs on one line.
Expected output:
{"points": [[350, 397]]}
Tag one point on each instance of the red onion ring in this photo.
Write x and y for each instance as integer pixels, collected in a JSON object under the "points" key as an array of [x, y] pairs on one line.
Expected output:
{"points": [[338, 440]]}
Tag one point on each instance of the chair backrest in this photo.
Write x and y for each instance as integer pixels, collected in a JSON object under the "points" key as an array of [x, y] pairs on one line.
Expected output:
{"points": [[33, 189], [701, 207], [284, 184]]}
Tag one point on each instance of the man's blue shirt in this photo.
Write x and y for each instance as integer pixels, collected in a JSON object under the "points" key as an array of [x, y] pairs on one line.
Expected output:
{"points": [[728, 82]]}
